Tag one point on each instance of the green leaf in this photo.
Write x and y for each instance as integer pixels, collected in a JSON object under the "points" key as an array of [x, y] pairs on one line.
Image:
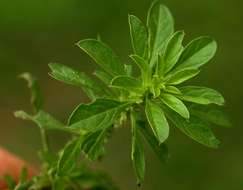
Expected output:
{"points": [[175, 104], [128, 69], [93, 145], [67, 157], [181, 76], [70, 76], [157, 121], [137, 155], [194, 128], [127, 83], [173, 51], [172, 90], [211, 114], [160, 150], [139, 36], [197, 53], [143, 66], [96, 116], [36, 97], [201, 95], [103, 56], [103, 76], [160, 27], [42, 119]]}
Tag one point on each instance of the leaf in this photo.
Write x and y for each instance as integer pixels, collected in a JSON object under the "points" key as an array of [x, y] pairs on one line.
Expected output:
{"points": [[181, 76], [103, 76], [210, 114], [9, 180], [103, 56], [172, 90], [67, 157], [157, 121], [93, 145], [70, 76], [160, 27], [138, 157], [175, 104], [173, 50], [160, 150], [194, 128], [95, 116], [127, 83], [43, 120], [143, 66], [139, 36], [201, 95], [128, 69], [197, 53], [36, 97]]}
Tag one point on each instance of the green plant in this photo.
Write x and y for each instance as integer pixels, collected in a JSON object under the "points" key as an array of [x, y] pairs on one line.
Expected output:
{"points": [[146, 93]]}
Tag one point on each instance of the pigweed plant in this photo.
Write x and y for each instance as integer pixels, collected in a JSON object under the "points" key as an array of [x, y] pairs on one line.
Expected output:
{"points": [[146, 95]]}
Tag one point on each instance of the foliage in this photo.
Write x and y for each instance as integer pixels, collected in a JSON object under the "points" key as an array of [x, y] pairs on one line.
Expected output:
{"points": [[147, 92]]}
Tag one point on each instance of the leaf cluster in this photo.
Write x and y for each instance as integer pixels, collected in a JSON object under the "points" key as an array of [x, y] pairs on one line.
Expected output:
{"points": [[150, 100]]}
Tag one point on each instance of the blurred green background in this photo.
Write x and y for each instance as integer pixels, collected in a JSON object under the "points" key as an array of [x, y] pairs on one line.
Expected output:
{"points": [[34, 33]]}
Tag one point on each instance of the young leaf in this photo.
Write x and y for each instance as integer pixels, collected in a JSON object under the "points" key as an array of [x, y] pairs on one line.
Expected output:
{"points": [[173, 51], [175, 104], [210, 114], [70, 76], [160, 150], [139, 36], [160, 27], [197, 53], [36, 97], [194, 128], [201, 95], [42, 119], [157, 121], [181, 76], [143, 66], [103, 56], [127, 83], [96, 116], [137, 151], [172, 90]]}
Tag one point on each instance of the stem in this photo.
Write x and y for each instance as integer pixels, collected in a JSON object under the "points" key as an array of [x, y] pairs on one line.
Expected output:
{"points": [[44, 140]]}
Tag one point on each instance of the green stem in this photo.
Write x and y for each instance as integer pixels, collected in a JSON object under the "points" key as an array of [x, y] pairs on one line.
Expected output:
{"points": [[44, 140]]}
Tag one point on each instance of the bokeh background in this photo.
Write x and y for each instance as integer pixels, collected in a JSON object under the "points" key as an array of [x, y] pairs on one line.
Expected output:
{"points": [[34, 33]]}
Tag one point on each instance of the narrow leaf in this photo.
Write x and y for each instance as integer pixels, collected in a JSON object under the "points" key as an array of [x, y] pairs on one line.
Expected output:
{"points": [[96, 116], [175, 104], [197, 53], [201, 95], [139, 36], [157, 121], [43, 120], [172, 90], [127, 83], [70, 76], [138, 157], [103, 56], [181, 76], [160, 26], [36, 97], [211, 114], [160, 150], [173, 50], [194, 128]]}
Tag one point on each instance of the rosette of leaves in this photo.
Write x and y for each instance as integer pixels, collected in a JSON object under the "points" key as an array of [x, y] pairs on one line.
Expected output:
{"points": [[149, 99]]}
